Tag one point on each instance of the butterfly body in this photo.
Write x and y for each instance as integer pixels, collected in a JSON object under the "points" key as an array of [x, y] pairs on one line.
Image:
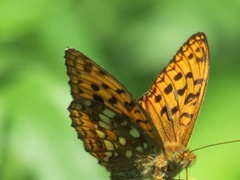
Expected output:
{"points": [[165, 166], [145, 138]]}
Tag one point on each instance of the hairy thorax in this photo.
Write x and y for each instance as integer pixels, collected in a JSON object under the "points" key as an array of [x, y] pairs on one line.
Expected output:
{"points": [[165, 166]]}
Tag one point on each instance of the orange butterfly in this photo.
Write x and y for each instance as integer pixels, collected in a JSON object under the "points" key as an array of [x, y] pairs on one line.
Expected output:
{"points": [[146, 138]]}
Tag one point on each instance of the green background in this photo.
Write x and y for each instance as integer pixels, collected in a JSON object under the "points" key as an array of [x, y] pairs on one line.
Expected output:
{"points": [[133, 40]]}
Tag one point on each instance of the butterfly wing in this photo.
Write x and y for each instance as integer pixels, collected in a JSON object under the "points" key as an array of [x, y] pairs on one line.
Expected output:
{"points": [[175, 97], [110, 122]]}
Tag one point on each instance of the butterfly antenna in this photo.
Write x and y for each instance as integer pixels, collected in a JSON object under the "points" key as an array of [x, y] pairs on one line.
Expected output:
{"points": [[216, 144]]}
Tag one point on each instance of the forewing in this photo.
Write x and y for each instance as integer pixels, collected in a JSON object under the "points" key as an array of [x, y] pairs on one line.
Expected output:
{"points": [[175, 97], [112, 125]]}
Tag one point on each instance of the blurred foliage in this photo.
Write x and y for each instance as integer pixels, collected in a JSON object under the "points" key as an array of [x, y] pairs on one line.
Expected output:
{"points": [[133, 40]]}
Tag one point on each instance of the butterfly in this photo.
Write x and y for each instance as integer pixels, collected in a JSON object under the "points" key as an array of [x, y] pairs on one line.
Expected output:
{"points": [[145, 138]]}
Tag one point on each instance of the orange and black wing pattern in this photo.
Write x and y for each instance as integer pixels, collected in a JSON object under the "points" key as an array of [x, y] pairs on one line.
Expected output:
{"points": [[175, 97]]}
